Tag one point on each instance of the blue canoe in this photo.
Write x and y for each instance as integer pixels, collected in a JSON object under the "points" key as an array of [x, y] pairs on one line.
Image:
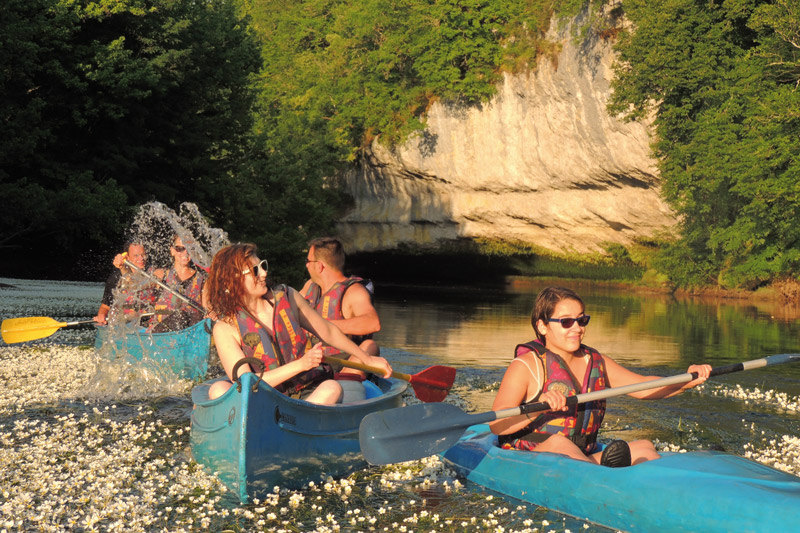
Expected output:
{"points": [[184, 351], [257, 439], [695, 491]]}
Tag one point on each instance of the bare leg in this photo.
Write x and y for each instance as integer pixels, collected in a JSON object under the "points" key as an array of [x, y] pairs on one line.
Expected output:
{"points": [[218, 389], [562, 445], [642, 450], [327, 393]]}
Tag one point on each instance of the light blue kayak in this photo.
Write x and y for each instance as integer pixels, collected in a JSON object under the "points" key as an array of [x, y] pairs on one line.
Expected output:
{"points": [[255, 438], [696, 491], [184, 351]]}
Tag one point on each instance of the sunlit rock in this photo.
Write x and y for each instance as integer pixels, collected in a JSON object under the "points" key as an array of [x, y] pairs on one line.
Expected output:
{"points": [[542, 162]]}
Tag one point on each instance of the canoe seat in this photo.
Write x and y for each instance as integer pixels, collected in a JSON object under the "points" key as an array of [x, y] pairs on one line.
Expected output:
{"points": [[373, 391]]}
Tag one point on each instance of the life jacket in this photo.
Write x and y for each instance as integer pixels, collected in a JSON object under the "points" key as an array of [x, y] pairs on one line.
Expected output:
{"points": [[329, 305], [191, 287], [133, 295], [580, 423], [290, 343]]}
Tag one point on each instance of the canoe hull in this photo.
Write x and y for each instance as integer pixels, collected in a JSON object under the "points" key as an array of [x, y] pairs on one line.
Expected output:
{"points": [[254, 441], [185, 351], [695, 491]]}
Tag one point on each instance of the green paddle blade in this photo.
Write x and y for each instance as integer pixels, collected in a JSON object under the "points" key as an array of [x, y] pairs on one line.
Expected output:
{"points": [[16, 330]]}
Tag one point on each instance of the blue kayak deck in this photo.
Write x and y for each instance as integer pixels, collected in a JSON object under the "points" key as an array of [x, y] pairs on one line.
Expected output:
{"points": [[695, 491]]}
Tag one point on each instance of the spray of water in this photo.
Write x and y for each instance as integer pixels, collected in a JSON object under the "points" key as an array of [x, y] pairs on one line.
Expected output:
{"points": [[154, 226]]}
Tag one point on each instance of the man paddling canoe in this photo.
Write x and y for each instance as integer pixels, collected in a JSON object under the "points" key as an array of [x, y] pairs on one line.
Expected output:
{"points": [[123, 286], [557, 365], [344, 301]]}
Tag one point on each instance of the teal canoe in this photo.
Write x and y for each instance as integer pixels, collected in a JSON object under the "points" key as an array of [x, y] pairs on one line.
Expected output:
{"points": [[185, 351], [255, 438], [696, 491]]}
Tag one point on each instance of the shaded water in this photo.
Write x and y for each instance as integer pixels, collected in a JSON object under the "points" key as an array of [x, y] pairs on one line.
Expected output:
{"points": [[56, 392]]}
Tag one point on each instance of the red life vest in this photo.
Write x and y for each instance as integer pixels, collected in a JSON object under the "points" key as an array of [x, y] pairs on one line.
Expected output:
{"points": [[581, 422], [290, 343], [329, 305], [133, 295], [191, 287]]}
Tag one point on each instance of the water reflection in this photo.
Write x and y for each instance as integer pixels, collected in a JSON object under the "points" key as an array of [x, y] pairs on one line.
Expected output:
{"points": [[479, 327]]}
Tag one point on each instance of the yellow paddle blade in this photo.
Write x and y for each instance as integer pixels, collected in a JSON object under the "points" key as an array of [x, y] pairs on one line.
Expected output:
{"points": [[29, 328]]}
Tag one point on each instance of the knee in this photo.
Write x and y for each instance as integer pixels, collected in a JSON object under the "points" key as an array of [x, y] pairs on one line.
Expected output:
{"points": [[371, 347], [218, 389], [643, 450], [328, 392]]}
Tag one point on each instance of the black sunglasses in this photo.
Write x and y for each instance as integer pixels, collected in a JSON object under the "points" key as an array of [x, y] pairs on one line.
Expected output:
{"points": [[180, 249], [255, 268], [566, 323]]}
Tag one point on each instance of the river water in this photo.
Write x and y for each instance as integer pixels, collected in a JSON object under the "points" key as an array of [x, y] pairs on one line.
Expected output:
{"points": [[91, 445]]}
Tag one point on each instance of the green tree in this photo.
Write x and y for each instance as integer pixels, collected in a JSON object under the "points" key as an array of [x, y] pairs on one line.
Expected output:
{"points": [[109, 104], [726, 127]]}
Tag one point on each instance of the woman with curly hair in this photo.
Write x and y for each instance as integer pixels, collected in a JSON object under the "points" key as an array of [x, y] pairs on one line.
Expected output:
{"points": [[269, 323]]}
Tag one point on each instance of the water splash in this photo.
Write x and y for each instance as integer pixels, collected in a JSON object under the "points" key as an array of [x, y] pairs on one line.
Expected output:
{"points": [[155, 224]]}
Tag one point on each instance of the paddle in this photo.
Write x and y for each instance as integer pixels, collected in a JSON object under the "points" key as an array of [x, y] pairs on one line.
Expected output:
{"points": [[30, 328], [16, 330], [430, 385], [164, 286], [406, 433]]}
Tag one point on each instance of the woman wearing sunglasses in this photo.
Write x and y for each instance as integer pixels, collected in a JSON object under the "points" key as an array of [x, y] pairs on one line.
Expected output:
{"points": [[268, 322], [557, 365], [171, 313]]}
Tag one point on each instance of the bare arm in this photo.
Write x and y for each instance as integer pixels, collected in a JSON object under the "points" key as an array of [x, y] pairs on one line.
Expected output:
{"points": [[360, 316], [333, 336], [102, 314], [228, 343], [619, 376]]}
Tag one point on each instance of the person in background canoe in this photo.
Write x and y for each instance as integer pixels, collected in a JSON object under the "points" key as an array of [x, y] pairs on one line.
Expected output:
{"points": [[557, 365], [269, 323], [171, 313], [137, 295], [344, 301]]}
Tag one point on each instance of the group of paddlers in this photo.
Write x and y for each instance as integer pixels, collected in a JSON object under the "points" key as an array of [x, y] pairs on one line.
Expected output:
{"points": [[292, 332]]}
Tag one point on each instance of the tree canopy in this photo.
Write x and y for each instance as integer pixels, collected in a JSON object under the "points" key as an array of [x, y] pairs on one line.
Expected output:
{"points": [[722, 79]]}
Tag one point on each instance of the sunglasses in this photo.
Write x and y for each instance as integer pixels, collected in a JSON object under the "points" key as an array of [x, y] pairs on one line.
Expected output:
{"points": [[256, 269], [179, 249], [566, 323]]}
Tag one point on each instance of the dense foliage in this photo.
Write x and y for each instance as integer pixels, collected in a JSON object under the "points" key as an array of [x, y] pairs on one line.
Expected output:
{"points": [[106, 105], [722, 80], [249, 108]]}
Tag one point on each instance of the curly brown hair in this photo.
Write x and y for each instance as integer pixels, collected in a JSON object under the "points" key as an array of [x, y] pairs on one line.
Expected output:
{"points": [[224, 286]]}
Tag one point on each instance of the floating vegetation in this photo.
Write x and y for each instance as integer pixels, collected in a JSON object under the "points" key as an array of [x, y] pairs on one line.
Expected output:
{"points": [[758, 396]]}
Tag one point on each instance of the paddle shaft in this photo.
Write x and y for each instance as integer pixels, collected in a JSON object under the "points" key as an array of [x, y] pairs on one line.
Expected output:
{"points": [[366, 368], [166, 287], [644, 385], [420, 430]]}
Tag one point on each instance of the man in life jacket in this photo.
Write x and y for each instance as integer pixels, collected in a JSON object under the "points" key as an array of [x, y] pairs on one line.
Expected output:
{"points": [[344, 301], [137, 297]]}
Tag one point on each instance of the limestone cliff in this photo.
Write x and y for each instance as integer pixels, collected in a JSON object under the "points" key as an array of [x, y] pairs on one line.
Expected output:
{"points": [[542, 162]]}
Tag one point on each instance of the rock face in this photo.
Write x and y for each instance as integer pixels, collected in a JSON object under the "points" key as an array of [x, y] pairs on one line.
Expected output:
{"points": [[542, 162]]}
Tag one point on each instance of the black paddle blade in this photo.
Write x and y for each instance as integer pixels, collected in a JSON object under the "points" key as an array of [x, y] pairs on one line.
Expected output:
{"points": [[433, 384], [413, 432]]}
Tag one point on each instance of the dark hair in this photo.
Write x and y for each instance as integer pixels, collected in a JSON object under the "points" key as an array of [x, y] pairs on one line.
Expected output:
{"points": [[330, 250], [133, 242], [224, 287], [546, 302]]}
